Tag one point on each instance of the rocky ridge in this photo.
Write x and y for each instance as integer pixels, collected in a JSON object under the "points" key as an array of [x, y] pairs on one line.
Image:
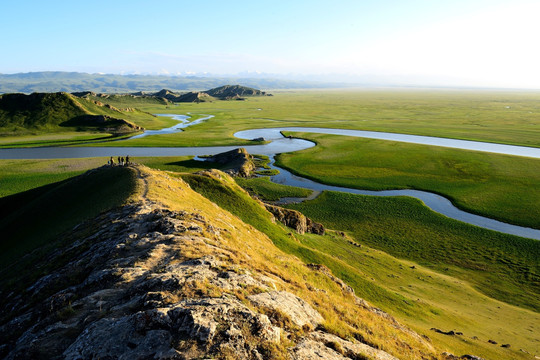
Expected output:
{"points": [[154, 281]]}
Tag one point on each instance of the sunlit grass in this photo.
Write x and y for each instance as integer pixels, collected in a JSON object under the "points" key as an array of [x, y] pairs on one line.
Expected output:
{"points": [[498, 186], [416, 294]]}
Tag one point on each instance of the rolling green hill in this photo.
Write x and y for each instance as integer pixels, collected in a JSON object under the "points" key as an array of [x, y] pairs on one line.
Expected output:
{"points": [[53, 112]]}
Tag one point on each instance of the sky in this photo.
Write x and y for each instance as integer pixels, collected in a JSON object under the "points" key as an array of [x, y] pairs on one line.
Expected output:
{"points": [[484, 43]]}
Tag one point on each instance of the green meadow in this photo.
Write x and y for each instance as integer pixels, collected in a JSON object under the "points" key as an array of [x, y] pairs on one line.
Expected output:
{"points": [[498, 186]]}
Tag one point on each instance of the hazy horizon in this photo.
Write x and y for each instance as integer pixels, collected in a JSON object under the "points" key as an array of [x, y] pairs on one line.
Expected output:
{"points": [[475, 43]]}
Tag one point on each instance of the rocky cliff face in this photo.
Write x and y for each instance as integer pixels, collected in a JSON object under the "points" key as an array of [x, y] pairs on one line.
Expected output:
{"points": [[171, 276], [295, 219]]}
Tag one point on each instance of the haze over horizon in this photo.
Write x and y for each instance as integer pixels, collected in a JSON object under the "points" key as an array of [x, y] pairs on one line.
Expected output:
{"points": [[482, 43]]}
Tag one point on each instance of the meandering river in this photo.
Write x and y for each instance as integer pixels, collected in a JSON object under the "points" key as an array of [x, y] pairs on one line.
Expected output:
{"points": [[279, 144]]}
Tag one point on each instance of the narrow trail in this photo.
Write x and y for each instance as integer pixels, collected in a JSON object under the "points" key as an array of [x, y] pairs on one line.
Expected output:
{"points": [[140, 176]]}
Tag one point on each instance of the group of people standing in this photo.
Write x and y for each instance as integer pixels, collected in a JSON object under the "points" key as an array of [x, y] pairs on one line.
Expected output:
{"points": [[121, 161]]}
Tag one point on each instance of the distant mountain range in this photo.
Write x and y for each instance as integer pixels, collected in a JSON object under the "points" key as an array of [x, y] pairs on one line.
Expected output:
{"points": [[56, 81]]}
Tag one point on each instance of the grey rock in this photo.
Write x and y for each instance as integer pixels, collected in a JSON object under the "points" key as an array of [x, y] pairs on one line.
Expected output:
{"points": [[118, 339], [295, 220], [351, 349], [313, 350], [299, 311]]}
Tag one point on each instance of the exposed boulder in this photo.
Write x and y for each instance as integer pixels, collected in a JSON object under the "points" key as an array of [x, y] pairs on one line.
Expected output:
{"points": [[321, 345], [150, 333], [312, 350], [299, 311]]}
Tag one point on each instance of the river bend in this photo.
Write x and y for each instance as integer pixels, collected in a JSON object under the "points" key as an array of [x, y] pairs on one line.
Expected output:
{"points": [[279, 144]]}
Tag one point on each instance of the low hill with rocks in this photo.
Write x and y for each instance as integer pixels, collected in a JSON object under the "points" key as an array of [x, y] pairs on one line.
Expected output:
{"points": [[170, 275]]}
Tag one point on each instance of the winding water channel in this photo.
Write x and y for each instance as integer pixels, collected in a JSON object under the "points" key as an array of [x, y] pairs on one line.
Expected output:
{"points": [[279, 144]]}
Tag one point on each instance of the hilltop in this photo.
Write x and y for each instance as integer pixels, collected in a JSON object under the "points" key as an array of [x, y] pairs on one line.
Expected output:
{"points": [[168, 274], [227, 92], [59, 111]]}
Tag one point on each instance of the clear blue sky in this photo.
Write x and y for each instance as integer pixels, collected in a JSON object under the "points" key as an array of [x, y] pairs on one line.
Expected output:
{"points": [[458, 42]]}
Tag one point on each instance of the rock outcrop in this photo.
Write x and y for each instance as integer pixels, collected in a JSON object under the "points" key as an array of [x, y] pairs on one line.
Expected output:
{"points": [[295, 220], [238, 162], [135, 298]]}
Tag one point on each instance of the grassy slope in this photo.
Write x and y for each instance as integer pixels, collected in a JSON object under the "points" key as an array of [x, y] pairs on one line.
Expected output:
{"points": [[413, 295], [382, 279], [502, 266], [38, 111], [22, 175], [263, 188], [255, 251], [498, 186]]}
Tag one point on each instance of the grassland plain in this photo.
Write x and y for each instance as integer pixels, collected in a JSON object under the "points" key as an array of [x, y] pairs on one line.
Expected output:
{"points": [[504, 117], [409, 291], [498, 186], [502, 266], [492, 116]]}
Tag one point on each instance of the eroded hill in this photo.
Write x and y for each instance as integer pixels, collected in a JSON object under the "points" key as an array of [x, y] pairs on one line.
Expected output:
{"points": [[57, 111]]}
